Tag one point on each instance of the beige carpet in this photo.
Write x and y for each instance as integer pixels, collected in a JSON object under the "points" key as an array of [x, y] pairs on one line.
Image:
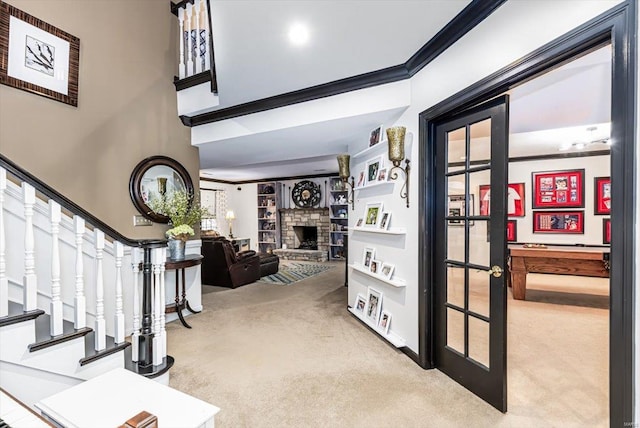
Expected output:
{"points": [[292, 356]]}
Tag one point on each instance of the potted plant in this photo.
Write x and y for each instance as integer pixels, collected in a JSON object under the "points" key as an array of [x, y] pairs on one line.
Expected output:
{"points": [[184, 211]]}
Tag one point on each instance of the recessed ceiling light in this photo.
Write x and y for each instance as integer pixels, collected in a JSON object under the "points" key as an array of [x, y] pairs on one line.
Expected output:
{"points": [[298, 34]]}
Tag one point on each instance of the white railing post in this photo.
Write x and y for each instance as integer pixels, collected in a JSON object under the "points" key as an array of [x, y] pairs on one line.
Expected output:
{"points": [[101, 328], [198, 54], [181, 68], [30, 282], [119, 318], [156, 256], [189, 28], [163, 320], [135, 264], [4, 282], [57, 316], [80, 301]]}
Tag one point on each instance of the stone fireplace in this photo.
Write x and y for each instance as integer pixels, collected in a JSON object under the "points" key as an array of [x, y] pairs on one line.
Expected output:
{"points": [[305, 233]]}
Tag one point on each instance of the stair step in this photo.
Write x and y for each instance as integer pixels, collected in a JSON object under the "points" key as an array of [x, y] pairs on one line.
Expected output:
{"points": [[190, 81], [92, 355], [17, 314], [43, 333], [148, 372]]}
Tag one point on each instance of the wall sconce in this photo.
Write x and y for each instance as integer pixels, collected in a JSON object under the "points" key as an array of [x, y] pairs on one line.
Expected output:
{"points": [[344, 173], [395, 136], [230, 216]]}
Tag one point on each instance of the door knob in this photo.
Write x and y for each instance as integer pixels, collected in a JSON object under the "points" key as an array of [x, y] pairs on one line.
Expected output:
{"points": [[496, 271]]}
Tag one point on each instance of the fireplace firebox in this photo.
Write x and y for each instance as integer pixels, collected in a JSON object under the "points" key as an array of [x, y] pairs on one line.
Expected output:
{"points": [[306, 237]]}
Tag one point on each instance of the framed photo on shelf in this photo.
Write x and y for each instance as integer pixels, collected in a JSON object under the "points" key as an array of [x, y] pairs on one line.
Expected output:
{"points": [[602, 192], [367, 256], [37, 57], [385, 320], [558, 222], [387, 270], [606, 231], [558, 189], [457, 205], [515, 199], [360, 303], [375, 266], [375, 136], [372, 214], [386, 219], [512, 230], [382, 175], [360, 181], [374, 306], [372, 166]]}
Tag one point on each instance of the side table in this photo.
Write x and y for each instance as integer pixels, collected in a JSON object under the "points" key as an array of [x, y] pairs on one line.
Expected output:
{"points": [[181, 301]]}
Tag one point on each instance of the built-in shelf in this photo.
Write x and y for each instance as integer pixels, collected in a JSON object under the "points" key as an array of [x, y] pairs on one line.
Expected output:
{"points": [[399, 283], [392, 338], [339, 218], [390, 231], [339, 231], [267, 218], [376, 184], [371, 149]]}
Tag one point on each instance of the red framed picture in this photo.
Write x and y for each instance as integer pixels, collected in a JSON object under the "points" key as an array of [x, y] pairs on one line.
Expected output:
{"points": [[606, 231], [515, 200], [602, 192], [512, 230], [558, 222], [558, 189]]}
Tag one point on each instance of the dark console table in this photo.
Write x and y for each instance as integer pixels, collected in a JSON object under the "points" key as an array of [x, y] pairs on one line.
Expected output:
{"points": [[181, 301]]}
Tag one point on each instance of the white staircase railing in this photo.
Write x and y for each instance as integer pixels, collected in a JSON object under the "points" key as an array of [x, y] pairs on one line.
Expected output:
{"points": [[72, 279], [194, 54]]}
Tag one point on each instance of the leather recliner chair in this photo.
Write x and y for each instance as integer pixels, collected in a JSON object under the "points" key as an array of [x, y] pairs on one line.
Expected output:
{"points": [[223, 267]]}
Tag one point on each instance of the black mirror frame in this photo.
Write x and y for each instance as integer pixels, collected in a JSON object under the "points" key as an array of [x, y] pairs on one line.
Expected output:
{"points": [[136, 180]]}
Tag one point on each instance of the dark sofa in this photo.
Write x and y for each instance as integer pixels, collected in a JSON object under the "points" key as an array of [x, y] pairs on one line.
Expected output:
{"points": [[223, 267]]}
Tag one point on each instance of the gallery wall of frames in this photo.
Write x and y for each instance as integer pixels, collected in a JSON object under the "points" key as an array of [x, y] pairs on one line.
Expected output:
{"points": [[551, 201]]}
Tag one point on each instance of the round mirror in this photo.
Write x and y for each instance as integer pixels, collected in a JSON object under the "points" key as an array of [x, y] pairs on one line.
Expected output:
{"points": [[155, 177]]}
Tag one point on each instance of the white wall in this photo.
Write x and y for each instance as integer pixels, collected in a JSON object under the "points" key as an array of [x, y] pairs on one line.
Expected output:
{"points": [[510, 33], [637, 277]]}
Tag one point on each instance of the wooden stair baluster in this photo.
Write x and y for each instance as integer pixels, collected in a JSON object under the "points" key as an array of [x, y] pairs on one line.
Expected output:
{"points": [[100, 333], [57, 315], [119, 316], [4, 282], [158, 307], [30, 282], [80, 301], [135, 264]]}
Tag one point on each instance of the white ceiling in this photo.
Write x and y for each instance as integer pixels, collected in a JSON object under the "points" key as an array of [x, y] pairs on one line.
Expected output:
{"points": [[254, 60]]}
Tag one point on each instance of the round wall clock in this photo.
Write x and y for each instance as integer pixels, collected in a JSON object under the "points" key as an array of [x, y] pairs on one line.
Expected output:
{"points": [[306, 194]]}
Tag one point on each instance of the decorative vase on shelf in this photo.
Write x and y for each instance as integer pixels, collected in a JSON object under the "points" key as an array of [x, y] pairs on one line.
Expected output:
{"points": [[176, 249]]}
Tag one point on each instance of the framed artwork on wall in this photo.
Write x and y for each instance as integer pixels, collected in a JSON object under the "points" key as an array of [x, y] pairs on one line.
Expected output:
{"points": [[606, 231], [457, 208], [372, 166], [558, 189], [375, 136], [372, 214], [515, 199], [512, 230], [602, 192], [374, 306], [558, 222], [37, 57]]}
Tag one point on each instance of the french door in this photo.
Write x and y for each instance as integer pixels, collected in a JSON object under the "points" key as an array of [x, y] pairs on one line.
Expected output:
{"points": [[470, 249]]}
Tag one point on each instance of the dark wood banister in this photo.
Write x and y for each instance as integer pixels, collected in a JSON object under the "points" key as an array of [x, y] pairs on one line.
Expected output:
{"points": [[212, 68], [66, 203], [146, 334]]}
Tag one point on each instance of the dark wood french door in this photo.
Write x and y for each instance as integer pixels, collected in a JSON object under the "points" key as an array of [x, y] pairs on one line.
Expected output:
{"points": [[470, 251]]}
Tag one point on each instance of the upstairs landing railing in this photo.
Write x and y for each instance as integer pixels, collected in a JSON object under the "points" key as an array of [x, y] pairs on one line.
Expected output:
{"points": [[195, 57], [18, 187]]}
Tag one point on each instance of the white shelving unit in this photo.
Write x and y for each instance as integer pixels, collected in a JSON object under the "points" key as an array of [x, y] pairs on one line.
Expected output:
{"points": [[399, 283], [390, 231], [339, 217], [392, 338], [371, 150]]}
